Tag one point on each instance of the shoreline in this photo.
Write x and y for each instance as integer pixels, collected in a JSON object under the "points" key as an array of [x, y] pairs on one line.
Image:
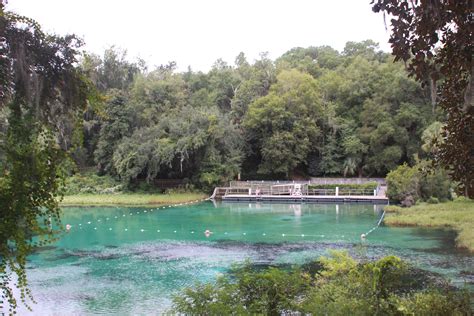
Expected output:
{"points": [[129, 199], [457, 215]]}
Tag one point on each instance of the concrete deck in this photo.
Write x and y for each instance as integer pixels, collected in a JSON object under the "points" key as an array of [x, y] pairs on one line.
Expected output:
{"points": [[307, 198]]}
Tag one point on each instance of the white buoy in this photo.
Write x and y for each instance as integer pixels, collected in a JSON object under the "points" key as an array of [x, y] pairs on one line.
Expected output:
{"points": [[110, 228], [89, 223], [95, 228], [142, 230], [244, 234], [158, 231], [126, 229], [362, 236], [68, 227], [264, 234], [283, 235]]}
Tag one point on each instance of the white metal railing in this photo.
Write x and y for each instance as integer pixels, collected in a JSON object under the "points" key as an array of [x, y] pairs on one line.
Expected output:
{"points": [[322, 181], [290, 190]]}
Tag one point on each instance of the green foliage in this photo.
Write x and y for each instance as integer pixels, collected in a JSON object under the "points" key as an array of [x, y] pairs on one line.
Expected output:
{"points": [[268, 292], [362, 186], [434, 39], [432, 137], [434, 302], [157, 92], [403, 185], [283, 124], [408, 184], [341, 286], [202, 144], [131, 199], [435, 184], [91, 183], [456, 214], [312, 111], [43, 92], [112, 70], [116, 124], [432, 200]]}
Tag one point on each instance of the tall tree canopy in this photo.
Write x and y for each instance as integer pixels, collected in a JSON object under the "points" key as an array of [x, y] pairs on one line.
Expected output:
{"points": [[40, 88], [435, 39], [284, 124], [353, 112]]}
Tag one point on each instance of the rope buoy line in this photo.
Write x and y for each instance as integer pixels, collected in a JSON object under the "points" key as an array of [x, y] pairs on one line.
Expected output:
{"points": [[363, 236], [208, 233], [104, 220]]}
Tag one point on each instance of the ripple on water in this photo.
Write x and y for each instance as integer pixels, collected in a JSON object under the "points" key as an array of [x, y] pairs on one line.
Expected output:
{"points": [[136, 273]]}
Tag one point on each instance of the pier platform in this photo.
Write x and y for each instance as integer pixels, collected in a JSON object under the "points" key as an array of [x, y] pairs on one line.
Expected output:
{"points": [[306, 198]]}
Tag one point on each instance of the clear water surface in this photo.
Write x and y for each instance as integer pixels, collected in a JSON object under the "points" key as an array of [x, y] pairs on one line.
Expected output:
{"points": [[132, 260]]}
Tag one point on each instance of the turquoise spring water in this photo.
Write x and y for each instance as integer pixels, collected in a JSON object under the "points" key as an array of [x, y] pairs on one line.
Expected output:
{"points": [[132, 260]]}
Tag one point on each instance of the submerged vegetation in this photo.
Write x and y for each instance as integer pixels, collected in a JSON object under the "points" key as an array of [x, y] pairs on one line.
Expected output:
{"points": [[457, 215], [336, 285], [313, 111]]}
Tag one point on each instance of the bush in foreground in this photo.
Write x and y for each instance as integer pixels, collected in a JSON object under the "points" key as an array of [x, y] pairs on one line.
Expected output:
{"points": [[341, 286]]}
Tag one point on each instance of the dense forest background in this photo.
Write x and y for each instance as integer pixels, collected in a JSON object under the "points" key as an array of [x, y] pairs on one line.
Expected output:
{"points": [[311, 112]]}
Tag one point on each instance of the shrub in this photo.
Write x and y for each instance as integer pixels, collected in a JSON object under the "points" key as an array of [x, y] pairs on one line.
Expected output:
{"points": [[432, 200], [268, 292], [91, 183], [435, 184], [403, 185], [363, 186], [341, 286], [409, 184]]}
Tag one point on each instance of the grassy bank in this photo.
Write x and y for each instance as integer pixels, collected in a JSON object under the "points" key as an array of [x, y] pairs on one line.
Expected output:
{"points": [[458, 215], [129, 199]]}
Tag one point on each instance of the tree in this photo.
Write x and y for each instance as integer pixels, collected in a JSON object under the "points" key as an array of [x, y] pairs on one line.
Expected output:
{"points": [[37, 77], [116, 124], [201, 144], [255, 82], [112, 71], [432, 137], [435, 40], [224, 84], [283, 125], [157, 92]]}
